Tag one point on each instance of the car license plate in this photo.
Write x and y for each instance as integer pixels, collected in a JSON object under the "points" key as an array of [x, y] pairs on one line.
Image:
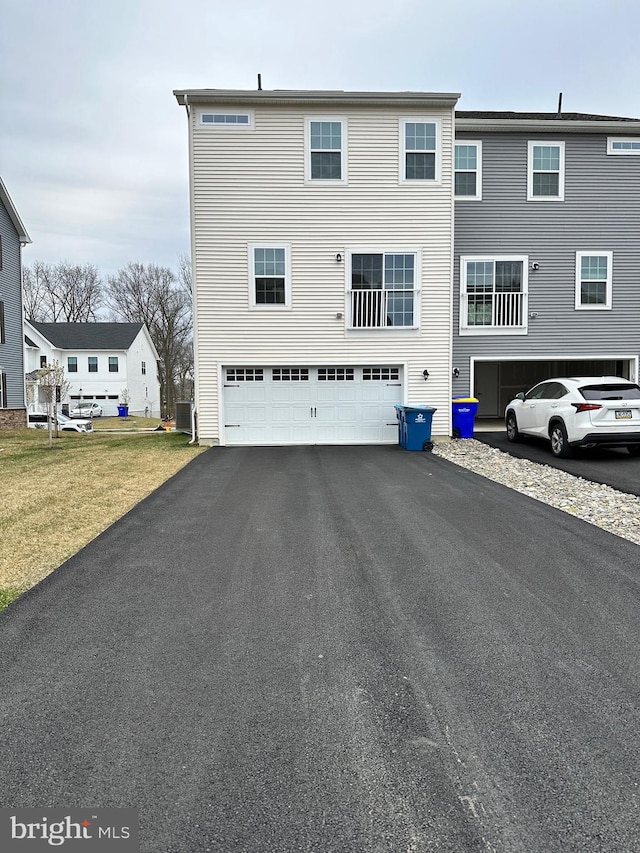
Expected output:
{"points": [[623, 414]]}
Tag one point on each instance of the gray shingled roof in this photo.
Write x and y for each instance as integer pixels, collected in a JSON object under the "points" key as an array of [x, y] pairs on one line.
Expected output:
{"points": [[93, 336], [538, 116]]}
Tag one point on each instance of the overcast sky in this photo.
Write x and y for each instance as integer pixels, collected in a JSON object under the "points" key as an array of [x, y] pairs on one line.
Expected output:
{"points": [[93, 146]]}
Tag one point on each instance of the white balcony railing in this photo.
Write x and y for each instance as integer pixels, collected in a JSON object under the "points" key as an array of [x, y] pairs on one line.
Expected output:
{"points": [[495, 310], [381, 309]]}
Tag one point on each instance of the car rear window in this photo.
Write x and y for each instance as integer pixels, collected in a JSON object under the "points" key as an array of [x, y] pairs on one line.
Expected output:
{"points": [[611, 392]]}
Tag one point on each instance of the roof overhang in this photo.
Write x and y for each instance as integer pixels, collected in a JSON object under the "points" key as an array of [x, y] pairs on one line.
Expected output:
{"points": [[5, 198], [283, 97], [478, 125]]}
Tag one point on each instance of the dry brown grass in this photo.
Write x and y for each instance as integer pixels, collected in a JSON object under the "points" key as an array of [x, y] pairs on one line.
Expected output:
{"points": [[56, 500]]}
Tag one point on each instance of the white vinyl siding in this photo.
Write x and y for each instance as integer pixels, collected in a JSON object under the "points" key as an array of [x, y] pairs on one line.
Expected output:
{"points": [[594, 276], [251, 189]]}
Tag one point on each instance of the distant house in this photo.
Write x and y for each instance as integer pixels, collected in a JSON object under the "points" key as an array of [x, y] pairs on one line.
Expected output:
{"points": [[100, 361], [546, 258], [13, 236]]}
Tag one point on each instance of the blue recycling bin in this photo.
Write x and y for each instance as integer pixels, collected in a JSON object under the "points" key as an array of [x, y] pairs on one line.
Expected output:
{"points": [[464, 413], [414, 426]]}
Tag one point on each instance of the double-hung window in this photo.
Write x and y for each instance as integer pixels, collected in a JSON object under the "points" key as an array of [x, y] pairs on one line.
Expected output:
{"points": [[270, 284], [383, 290], [545, 171], [420, 150], [593, 280], [468, 171], [493, 295], [113, 364], [72, 364], [92, 363], [326, 150]]}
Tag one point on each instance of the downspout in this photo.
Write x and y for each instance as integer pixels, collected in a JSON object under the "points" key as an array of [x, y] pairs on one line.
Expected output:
{"points": [[194, 413]]}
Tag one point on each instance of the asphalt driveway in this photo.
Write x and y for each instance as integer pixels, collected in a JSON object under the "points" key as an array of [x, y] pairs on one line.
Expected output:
{"points": [[611, 466], [334, 649]]}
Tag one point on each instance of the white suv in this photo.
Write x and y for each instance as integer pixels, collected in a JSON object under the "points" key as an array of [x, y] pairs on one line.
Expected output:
{"points": [[38, 420], [572, 412]]}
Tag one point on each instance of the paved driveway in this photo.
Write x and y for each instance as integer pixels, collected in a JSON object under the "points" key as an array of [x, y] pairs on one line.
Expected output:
{"points": [[611, 466], [334, 649]]}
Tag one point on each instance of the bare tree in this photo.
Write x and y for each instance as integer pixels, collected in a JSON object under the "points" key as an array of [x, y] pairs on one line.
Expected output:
{"points": [[64, 293], [55, 387], [150, 294]]}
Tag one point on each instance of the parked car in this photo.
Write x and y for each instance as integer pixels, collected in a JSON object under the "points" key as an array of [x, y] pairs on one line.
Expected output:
{"points": [[587, 411], [38, 420], [86, 410]]}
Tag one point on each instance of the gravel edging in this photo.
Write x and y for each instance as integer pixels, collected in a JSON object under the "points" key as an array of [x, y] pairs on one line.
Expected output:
{"points": [[607, 508]]}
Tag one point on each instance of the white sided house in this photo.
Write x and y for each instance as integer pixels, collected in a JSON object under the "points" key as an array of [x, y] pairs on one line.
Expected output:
{"points": [[100, 360], [322, 245]]}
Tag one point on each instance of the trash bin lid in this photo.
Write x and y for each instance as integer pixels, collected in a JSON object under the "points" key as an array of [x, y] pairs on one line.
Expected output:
{"points": [[465, 400]]}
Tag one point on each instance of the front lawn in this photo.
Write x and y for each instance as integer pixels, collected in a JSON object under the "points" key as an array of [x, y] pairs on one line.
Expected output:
{"points": [[56, 500]]}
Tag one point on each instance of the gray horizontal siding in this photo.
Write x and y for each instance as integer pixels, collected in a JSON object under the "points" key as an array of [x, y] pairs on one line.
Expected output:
{"points": [[11, 352], [600, 212]]}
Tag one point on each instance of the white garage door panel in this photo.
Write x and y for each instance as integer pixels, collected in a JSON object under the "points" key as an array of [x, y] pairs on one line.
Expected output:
{"points": [[345, 406]]}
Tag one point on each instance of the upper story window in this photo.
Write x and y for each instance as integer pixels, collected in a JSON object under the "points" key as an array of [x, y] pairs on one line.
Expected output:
{"points": [[420, 151], [2, 334], [113, 364], [224, 119], [493, 294], [623, 145], [143, 368], [0, 251], [92, 363], [72, 364], [468, 170], [594, 280], [270, 285], [43, 361], [545, 171], [326, 150], [383, 290]]}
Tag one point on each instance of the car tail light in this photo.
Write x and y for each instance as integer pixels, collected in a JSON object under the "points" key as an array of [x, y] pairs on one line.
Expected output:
{"points": [[586, 407]]}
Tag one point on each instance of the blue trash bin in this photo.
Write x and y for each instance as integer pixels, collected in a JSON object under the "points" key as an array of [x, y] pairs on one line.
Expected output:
{"points": [[401, 424], [417, 427], [464, 412]]}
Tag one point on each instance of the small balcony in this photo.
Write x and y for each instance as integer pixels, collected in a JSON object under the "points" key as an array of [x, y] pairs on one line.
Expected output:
{"points": [[381, 309], [494, 311]]}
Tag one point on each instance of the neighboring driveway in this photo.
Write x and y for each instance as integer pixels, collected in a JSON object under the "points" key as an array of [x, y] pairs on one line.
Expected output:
{"points": [[614, 467], [334, 649]]}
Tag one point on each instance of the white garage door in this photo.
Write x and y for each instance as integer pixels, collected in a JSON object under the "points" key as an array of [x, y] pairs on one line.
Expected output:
{"points": [[311, 405]]}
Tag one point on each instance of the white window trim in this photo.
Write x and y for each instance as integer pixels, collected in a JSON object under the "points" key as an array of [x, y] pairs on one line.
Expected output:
{"points": [[316, 182], [417, 288], [402, 123], [628, 152], [543, 198], [258, 306], [226, 127], [609, 286], [484, 331], [478, 145]]}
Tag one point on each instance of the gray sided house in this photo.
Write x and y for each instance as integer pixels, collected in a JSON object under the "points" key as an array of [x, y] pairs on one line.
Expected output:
{"points": [[547, 251], [13, 236]]}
